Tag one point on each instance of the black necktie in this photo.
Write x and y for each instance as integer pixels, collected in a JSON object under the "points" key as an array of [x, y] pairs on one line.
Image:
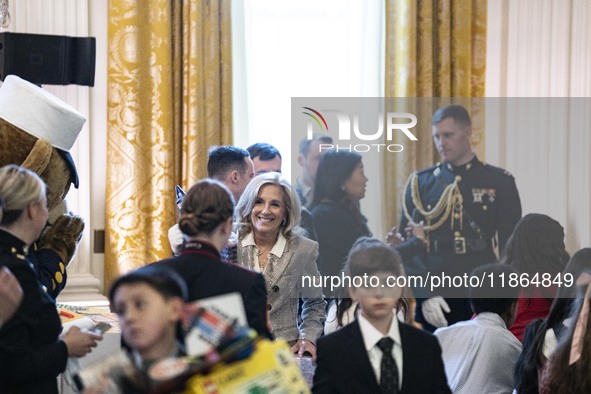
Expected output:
{"points": [[388, 369]]}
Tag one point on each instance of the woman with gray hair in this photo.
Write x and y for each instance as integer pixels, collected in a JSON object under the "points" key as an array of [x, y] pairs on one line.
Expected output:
{"points": [[270, 241]]}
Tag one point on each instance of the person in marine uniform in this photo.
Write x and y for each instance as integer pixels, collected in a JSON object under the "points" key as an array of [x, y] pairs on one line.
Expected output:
{"points": [[469, 210]]}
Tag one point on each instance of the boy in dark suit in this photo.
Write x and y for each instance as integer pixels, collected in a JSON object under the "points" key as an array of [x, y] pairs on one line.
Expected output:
{"points": [[376, 353]]}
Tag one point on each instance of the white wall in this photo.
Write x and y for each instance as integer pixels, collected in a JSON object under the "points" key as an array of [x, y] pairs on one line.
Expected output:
{"points": [[539, 51]]}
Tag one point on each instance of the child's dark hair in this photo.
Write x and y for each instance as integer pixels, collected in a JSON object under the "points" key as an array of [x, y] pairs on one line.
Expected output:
{"points": [[165, 281], [486, 298], [536, 246], [368, 256]]}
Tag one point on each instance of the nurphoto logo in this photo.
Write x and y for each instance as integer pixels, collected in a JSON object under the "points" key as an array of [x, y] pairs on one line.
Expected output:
{"points": [[347, 131]]}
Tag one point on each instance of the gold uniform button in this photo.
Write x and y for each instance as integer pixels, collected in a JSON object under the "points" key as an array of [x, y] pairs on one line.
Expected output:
{"points": [[58, 277], [458, 178], [457, 234], [484, 207], [62, 267], [456, 215]]}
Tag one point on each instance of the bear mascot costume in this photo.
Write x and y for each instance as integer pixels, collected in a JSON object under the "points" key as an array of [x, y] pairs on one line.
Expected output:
{"points": [[36, 131]]}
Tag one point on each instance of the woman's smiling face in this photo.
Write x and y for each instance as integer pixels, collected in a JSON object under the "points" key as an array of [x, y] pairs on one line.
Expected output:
{"points": [[268, 211]]}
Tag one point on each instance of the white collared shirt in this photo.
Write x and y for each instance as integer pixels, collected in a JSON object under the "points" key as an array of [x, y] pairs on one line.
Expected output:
{"points": [[479, 355], [371, 337], [276, 251]]}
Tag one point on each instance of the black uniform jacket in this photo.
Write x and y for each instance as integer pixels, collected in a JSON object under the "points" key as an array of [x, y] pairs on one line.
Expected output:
{"points": [[482, 222], [31, 356], [206, 275], [490, 210]]}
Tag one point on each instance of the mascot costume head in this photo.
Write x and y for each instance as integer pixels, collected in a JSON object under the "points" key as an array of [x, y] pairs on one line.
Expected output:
{"points": [[36, 131]]}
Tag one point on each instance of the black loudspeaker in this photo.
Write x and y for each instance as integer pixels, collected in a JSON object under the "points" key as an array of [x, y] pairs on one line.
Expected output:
{"points": [[46, 59]]}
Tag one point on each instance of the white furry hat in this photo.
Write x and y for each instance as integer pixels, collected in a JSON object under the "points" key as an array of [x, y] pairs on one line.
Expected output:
{"points": [[39, 113]]}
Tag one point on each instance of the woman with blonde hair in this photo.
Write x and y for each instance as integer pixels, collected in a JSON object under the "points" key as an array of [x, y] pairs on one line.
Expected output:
{"points": [[32, 354], [270, 241]]}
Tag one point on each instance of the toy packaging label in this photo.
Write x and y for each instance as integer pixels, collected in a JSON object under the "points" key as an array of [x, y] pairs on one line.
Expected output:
{"points": [[271, 369], [206, 333]]}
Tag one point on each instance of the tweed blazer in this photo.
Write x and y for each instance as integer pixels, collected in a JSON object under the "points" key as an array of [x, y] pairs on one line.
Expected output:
{"points": [[284, 288]]}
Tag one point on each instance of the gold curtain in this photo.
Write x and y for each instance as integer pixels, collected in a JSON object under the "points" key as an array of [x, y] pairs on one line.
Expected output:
{"points": [[434, 48], [169, 99]]}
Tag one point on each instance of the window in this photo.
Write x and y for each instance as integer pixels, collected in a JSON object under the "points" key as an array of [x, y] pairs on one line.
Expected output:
{"points": [[309, 48], [305, 48]]}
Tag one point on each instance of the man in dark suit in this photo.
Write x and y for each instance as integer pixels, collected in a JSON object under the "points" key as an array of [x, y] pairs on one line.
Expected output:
{"points": [[344, 366], [377, 353]]}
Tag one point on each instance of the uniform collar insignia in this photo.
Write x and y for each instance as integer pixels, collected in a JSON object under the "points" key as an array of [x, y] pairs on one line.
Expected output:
{"points": [[463, 167]]}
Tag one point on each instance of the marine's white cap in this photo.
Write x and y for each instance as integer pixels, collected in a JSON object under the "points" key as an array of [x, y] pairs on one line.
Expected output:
{"points": [[39, 113]]}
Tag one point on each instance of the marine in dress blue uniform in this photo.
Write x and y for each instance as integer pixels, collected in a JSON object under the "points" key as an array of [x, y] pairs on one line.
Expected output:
{"points": [[469, 210]]}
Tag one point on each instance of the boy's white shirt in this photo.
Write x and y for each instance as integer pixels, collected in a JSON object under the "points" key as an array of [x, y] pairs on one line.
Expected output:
{"points": [[371, 336]]}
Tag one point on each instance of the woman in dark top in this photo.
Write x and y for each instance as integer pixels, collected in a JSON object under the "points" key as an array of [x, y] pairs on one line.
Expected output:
{"points": [[339, 187], [31, 353]]}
